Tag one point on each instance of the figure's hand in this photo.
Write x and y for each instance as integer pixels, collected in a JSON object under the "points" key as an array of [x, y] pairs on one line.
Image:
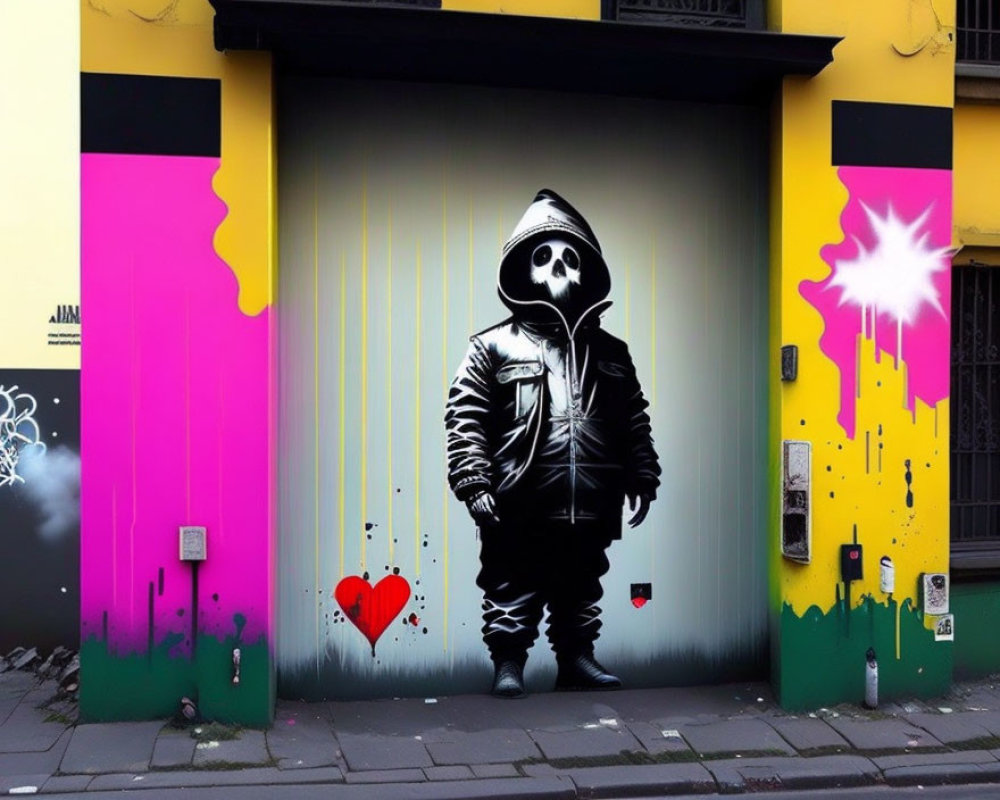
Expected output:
{"points": [[643, 500], [483, 508]]}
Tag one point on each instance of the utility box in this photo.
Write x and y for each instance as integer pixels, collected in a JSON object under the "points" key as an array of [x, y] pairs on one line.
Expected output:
{"points": [[796, 501], [193, 543]]}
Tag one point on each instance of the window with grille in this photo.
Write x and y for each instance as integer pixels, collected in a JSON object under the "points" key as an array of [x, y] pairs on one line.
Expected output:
{"points": [[975, 409], [979, 31], [713, 13]]}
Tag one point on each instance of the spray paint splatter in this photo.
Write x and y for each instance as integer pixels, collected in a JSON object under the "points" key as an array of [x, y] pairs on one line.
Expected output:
{"points": [[892, 273], [908, 475]]}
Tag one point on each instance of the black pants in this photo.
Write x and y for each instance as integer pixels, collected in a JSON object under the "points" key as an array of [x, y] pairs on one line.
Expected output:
{"points": [[529, 565]]}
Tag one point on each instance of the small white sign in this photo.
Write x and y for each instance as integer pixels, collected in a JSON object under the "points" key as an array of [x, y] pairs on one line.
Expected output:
{"points": [[194, 543], [944, 629]]}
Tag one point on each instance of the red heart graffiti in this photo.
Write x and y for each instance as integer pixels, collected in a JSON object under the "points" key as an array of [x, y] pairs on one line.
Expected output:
{"points": [[370, 608]]}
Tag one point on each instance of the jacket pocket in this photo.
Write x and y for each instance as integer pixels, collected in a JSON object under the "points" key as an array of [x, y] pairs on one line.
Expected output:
{"points": [[526, 379]]}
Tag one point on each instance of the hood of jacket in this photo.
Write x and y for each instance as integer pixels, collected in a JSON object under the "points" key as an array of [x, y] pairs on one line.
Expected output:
{"points": [[550, 215]]}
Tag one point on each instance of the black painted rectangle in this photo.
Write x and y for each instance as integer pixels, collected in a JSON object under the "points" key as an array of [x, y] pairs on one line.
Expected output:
{"points": [[150, 115], [891, 135]]}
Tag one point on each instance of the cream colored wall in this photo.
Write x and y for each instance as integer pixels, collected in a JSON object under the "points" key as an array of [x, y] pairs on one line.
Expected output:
{"points": [[39, 179]]}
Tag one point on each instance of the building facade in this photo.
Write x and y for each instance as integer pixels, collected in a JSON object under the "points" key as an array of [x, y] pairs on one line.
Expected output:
{"points": [[289, 219]]}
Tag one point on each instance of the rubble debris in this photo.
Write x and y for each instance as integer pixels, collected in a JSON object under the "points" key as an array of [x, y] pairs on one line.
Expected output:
{"points": [[27, 660], [61, 665]]}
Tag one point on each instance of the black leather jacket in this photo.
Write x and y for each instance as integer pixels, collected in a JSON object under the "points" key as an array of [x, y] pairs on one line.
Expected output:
{"points": [[553, 424], [546, 411]]}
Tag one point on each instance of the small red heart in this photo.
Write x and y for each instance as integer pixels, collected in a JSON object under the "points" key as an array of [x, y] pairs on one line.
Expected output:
{"points": [[638, 602], [371, 609]]}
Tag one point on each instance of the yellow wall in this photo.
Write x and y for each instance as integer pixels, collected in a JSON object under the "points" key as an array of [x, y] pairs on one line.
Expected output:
{"points": [[155, 37], [977, 175], [40, 187], [893, 51]]}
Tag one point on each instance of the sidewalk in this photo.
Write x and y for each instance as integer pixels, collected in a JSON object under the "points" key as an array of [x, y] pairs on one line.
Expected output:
{"points": [[725, 739]]}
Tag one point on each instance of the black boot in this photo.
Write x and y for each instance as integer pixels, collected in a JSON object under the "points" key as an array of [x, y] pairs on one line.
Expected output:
{"points": [[508, 679], [582, 673]]}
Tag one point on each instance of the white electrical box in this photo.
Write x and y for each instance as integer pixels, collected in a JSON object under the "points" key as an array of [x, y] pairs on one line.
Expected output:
{"points": [[194, 543]]}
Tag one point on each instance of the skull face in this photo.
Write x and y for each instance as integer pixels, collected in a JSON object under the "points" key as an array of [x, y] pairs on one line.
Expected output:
{"points": [[556, 264]]}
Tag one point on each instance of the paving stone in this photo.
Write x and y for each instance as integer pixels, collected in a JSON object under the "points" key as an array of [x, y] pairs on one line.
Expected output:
{"points": [[172, 749], [931, 759], [962, 726], [369, 752], [494, 770], [116, 781], [783, 772], [538, 770], [650, 780], [22, 781], [585, 742], [260, 776], [936, 775], [250, 748], [481, 747], [809, 734], [989, 720], [301, 739], [110, 747], [386, 776], [25, 730], [883, 734], [733, 736], [651, 737], [45, 761], [453, 773], [58, 784]]}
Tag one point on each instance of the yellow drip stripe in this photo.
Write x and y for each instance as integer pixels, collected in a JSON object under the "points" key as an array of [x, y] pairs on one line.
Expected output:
{"points": [[388, 382], [444, 377], [342, 407], [416, 413], [652, 320], [316, 431], [364, 367]]}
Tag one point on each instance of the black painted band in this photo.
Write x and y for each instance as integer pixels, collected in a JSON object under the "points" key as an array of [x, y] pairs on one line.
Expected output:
{"points": [[891, 135], [148, 115]]}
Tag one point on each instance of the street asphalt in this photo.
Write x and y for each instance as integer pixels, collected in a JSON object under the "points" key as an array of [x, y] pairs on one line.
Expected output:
{"points": [[632, 743]]}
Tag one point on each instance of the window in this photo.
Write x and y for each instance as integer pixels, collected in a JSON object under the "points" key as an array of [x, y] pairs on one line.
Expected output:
{"points": [[979, 31], [715, 13], [975, 417]]}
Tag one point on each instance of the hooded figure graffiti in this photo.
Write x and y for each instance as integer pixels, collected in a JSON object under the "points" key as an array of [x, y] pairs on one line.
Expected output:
{"points": [[547, 435]]}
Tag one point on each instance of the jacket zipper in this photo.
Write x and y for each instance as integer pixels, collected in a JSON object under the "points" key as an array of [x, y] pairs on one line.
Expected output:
{"points": [[571, 366]]}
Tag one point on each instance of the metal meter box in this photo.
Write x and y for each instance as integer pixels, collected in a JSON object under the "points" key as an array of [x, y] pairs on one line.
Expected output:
{"points": [[796, 505], [193, 543]]}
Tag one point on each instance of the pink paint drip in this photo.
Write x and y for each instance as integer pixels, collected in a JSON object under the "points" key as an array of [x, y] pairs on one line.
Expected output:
{"points": [[926, 341], [175, 396]]}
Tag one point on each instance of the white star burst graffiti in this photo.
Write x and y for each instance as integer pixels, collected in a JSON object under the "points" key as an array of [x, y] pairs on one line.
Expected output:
{"points": [[896, 277]]}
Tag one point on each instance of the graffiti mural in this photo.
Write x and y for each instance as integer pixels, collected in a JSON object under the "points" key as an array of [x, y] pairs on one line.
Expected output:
{"points": [[547, 435], [890, 282], [392, 232], [40, 505], [18, 432]]}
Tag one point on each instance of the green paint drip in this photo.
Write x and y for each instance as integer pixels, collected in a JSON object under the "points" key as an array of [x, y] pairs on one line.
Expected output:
{"points": [[822, 656], [150, 685]]}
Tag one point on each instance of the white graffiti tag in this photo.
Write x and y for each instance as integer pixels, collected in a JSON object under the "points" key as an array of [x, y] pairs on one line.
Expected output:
{"points": [[18, 432]]}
